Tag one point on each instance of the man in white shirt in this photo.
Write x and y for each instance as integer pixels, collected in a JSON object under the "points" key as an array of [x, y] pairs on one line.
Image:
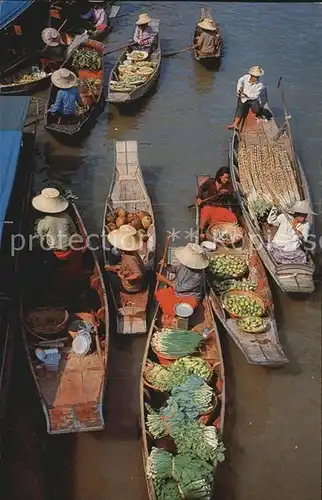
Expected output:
{"points": [[249, 90], [287, 244]]}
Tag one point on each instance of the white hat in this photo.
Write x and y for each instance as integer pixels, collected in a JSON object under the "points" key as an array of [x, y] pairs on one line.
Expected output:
{"points": [[207, 24], [302, 207], [51, 37], [143, 19], [125, 238], [256, 71], [192, 255], [50, 201], [63, 78]]}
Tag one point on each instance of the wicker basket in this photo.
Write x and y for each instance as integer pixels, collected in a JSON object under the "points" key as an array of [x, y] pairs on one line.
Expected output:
{"points": [[235, 233], [244, 293], [148, 367], [41, 321], [260, 329], [165, 360]]}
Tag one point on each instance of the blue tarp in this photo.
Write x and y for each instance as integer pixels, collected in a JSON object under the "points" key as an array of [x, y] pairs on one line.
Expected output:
{"points": [[10, 9], [13, 113]]}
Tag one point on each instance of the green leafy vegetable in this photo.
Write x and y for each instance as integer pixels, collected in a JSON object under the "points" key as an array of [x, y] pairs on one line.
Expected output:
{"points": [[176, 343]]}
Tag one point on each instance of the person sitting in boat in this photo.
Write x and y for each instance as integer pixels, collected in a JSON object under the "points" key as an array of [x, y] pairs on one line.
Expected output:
{"points": [[143, 37], [220, 191], [250, 92], [292, 233], [131, 270], [207, 41], [56, 47], [97, 15], [56, 230], [188, 281], [64, 107]]}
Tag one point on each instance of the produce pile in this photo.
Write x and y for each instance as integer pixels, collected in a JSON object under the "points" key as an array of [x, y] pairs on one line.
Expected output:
{"points": [[223, 286], [226, 234], [89, 85], [141, 221], [86, 59], [32, 76], [175, 343], [227, 266], [243, 305], [251, 324], [132, 74]]}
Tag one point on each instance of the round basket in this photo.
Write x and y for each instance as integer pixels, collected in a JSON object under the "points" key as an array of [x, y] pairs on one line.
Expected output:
{"points": [[234, 233], [231, 276], [164, 360], [243, 293], [204, 417], [46, 320], [148, 367], [260, 329]]}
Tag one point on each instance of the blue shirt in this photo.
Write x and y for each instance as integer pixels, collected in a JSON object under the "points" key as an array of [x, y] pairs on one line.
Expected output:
{"points": [[66, 101]]}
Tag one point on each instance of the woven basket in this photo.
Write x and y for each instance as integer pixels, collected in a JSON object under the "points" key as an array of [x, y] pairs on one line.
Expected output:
{"points": [[244, 293], [44, 317], [235, 232], [259, 330], [164, 360], [148, 367]]}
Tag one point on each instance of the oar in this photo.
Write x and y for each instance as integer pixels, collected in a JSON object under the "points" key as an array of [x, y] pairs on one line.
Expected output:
{"points": [[120, 48], [60, 27], [163, 260], [178, 52]]}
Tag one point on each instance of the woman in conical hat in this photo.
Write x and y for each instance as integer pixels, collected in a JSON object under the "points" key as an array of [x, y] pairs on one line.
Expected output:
{"points": [[131, 269], [55, 50], [143, 36], [64, 107], [96, 15], [208, 40], [187, 284]]}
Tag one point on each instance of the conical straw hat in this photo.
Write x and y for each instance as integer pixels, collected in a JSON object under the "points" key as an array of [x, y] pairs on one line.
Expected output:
{"points": [[143, 19], [207, 24], [125, 238], [256, 71], [192, 255], [50, 201], [63, 78], [302, 207], [51, 37]]}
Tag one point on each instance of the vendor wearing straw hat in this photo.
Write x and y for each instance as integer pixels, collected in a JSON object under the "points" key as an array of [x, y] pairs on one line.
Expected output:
{"points": [[55, 45], [64, 107], [131, 269], [208, 41], [187, 284], [292, 233], [143, 36], [250, 95], [97, 15]]}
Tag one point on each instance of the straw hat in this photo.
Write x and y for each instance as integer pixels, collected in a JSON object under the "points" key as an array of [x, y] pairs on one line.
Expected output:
{"points": [[256, 71], [51, 37], [207, 24], [143, 19], [125, 238], [302, 207], [50, 201], [192, 255], [63, 78]]}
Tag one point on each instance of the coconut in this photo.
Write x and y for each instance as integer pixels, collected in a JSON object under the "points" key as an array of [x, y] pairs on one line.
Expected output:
{"points": [[110, 218], [131, 216], [120, 221], [142, 214], [120, 212], [111, 226], [136, 223], [146, 221]]}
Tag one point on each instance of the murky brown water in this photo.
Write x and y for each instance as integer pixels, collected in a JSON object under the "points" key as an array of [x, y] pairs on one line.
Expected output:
{"points": [[273, 416]]}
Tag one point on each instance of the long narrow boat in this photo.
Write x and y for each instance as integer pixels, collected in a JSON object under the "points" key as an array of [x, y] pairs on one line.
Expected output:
{"points": [[128, 192], [71, 393], [204, 59], [202, 320], [120, 92], [76, 132], [262, 348], [262, 147]]}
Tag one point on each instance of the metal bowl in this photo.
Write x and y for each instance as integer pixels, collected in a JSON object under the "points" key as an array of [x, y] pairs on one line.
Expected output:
{"points": [[183, 310]]}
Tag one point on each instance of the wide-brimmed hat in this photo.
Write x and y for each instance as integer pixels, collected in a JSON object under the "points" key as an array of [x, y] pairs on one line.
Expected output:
{"points": [[302, 207], [143, 19], [256, 71], [192, 255], [51, 37], [207, 24], [125, 238], [63, 78], [50, 201]]}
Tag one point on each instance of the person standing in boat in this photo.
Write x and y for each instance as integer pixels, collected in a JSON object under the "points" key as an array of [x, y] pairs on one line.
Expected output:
{"points": [[292, 233], [220, 191], [131, 270], [187, 284], [143, 36], [250, 95], [64, 107], [208, 40], [97, 15]]}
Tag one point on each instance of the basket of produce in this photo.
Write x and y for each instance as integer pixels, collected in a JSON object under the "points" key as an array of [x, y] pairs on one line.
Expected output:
{"points": [[225, 233], [46, 320], [170, 345], [228, 266], [140, 220], [252, 324], [223, 286], [240, 303], [145, 71], [138, 55], [156, 376]]}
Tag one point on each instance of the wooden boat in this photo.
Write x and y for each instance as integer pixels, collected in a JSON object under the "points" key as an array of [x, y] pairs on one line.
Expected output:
{"points": [[136, 92], [211, 352], [291, 277], [128, 191], [262, 348], [111, 12], [205, 59], [75, 132], [72, 394]]}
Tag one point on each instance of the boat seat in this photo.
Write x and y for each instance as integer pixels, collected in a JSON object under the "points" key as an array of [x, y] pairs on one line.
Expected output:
{"points": [[130, 311]]}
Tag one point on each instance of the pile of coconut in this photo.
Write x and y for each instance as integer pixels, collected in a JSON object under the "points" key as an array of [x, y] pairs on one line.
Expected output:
{"points": [[141, 221]]}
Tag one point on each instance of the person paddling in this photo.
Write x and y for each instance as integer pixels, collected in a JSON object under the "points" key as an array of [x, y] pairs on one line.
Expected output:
{"points": [[64, 107], [143, 36], [209, 38]]}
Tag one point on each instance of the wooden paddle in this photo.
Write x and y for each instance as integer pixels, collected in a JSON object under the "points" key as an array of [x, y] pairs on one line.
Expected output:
{"points": [[60, 27], [163, 260], [178, 52], [120, 48]]}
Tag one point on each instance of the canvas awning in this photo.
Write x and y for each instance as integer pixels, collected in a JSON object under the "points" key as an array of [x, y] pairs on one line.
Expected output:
{"points": [[10, 9]]}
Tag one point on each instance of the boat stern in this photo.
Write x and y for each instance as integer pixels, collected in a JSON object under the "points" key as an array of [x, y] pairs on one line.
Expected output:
{"points": [[118, 97], [85, 417]]}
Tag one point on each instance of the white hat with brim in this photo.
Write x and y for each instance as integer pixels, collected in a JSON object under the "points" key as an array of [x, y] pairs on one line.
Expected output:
{"points": [[256, 71], [207, 24], [192, 255], [63, 78], [143, 19], [50, 201], [51, 37], [302, 207], [125, 238]]}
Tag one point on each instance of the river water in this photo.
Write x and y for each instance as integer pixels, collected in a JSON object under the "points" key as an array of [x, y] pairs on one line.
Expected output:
{"points": [[273, 416]]}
